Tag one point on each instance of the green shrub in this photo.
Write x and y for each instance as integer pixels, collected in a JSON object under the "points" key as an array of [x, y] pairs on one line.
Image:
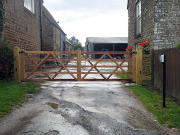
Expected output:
{"points": [[6, 61], [177, 46]]}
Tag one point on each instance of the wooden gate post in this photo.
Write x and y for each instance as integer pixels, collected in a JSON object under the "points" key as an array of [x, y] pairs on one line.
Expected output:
{"points": [[139, 62], [78, 65], [18, 64], [134, 67]]}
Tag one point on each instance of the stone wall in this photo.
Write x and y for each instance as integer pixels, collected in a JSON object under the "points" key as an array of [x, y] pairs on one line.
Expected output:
{"points": [[21, 26], [147, 25], [53, 36], [166, 24], [48, 32], [160, 23]]}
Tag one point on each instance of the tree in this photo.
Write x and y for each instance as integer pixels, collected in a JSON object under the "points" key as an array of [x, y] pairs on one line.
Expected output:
{"points": [[75, 42]]}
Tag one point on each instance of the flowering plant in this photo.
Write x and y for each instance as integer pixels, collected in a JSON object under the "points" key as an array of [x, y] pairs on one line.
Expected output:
{"points": [[145, 45], [129, 48]]}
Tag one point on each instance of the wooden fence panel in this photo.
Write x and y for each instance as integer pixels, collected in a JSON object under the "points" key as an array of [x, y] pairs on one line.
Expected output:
{"points": [[172, 72]]}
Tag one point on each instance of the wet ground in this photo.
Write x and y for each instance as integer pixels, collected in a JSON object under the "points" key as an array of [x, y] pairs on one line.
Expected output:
{"points": [[81, 108]]}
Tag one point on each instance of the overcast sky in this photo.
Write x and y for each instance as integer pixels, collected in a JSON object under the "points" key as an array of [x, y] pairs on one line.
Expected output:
{"points": [[90, 18]]}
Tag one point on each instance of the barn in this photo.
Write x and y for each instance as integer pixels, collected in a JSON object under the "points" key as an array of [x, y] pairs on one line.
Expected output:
{"points": [[106, 44]]}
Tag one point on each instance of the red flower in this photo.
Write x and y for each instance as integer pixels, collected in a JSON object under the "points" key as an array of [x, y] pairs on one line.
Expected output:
{"points": [[129, 48], [143, 43]]}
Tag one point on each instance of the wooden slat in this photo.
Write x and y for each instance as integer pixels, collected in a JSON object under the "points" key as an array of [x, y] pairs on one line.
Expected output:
{"points": [[71, 66], [105, 60], [63, 66], [93, 66], [81, 73], [78, 65], [109, 52], [48, 52], [37, 66], [43, 80], [61, 69], [61, 59]]}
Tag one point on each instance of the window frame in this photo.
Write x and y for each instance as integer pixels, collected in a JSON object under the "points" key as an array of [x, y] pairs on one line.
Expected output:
{"points": [[30, 5], [138, 16]]}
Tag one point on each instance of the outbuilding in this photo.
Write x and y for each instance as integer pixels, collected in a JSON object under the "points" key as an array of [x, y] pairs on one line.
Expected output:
{"points": [[106, 44]]}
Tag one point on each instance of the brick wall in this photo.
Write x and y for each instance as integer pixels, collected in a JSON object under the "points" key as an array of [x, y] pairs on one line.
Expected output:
{"points": [[21, 27]]}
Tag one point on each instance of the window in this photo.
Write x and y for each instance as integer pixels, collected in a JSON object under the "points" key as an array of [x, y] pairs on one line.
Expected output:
{"points": [[138, 18], [29, 4]]}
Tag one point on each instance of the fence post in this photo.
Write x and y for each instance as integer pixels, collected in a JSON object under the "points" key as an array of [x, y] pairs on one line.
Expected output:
{"points": [[17, 64], [78, 65], [134, 67], [22, 66], [139, 59]]}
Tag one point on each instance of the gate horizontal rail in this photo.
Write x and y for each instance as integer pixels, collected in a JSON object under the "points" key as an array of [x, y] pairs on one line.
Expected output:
{"points": [[74, 66]]}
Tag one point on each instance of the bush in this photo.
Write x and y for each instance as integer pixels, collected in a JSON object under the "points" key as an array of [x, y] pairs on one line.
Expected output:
{"points": [[6, 61], [177, 46]]}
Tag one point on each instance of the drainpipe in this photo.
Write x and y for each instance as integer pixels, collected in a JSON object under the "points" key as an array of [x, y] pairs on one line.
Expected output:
{"points": [[40, 17]]}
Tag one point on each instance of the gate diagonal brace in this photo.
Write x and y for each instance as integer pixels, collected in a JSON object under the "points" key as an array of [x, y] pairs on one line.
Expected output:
{"points": [[116, 67], [34, 63], [63, 66], [38, 65], [93, 66]]}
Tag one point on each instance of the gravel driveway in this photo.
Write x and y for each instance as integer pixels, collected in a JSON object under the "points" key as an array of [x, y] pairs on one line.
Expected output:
{"points": [[81, 108]]}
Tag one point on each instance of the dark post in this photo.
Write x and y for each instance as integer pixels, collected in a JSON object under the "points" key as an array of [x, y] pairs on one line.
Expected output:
{"points": [[40, 17], [164, 82]]}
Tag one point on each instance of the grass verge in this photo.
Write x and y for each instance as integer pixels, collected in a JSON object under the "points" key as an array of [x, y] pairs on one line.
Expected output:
{"points": [[169, 116], [123, 76], [13, 93]]}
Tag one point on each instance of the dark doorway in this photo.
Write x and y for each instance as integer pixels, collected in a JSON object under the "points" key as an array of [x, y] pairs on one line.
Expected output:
{"points": [[110, 47]]}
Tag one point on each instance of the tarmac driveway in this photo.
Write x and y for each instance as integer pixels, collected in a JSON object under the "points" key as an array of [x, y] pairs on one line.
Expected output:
{"points": [[81, 108]]}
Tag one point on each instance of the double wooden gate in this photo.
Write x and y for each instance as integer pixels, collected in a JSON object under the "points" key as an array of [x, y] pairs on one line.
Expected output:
{"points": [[73, 66]]}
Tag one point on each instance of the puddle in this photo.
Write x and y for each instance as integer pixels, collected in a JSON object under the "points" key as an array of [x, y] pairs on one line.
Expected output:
{"points": [[54, 132], [53, 105]]}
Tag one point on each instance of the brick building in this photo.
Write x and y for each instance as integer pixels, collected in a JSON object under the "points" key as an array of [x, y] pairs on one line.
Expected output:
{"points": [[22, 23], [157, 21], [53, 37]]}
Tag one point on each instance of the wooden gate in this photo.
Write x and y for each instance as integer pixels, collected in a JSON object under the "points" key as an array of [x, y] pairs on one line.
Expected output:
{"points": [[73, 66]]}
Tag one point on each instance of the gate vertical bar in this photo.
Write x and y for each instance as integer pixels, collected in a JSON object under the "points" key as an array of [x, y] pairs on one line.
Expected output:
{"points": [[78, 65], [17, 65], [22, 65]]}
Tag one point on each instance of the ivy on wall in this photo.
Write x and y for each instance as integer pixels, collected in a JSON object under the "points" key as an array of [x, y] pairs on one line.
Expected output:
{"points": [[6, 61], [1, 17], [6, 52]]}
